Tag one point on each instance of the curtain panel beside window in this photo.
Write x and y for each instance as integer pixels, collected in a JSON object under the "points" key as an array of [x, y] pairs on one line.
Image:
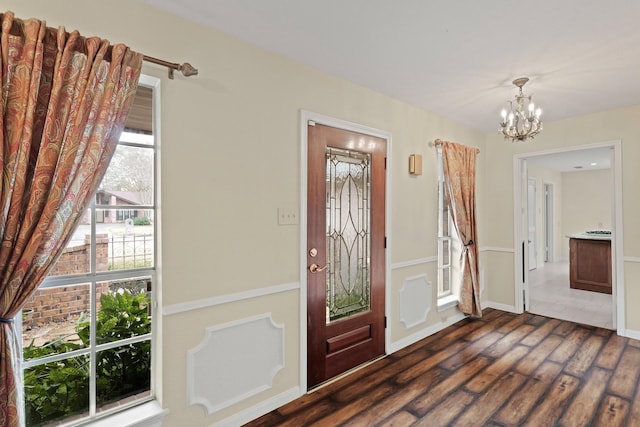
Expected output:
{"points": [[459, 164], [65, 99]]}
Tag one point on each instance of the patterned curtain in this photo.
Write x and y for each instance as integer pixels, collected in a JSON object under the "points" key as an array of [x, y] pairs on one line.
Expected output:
{"points": [[459, 163], [65, 99]]}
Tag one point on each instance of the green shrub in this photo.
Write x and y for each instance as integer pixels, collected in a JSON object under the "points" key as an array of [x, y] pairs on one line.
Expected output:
{"points": [[55, 390], [141, 220], [58, 389]]}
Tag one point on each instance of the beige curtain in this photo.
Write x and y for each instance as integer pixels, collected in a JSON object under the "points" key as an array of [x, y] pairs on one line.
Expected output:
{"points": [[459, 163], [65, 99]]}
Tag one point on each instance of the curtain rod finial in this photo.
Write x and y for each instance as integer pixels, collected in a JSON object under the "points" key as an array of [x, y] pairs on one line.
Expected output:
{"points": [[188, 70]]}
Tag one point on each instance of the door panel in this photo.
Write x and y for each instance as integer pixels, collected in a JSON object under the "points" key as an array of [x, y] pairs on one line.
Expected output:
{"points": [[345, 254]]}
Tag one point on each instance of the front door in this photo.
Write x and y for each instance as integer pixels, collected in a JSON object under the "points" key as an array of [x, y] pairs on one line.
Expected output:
{"points": [[345, 250]]}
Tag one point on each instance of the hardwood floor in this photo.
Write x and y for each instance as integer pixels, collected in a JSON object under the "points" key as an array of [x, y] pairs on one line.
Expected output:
{"points": [[501, 370]]}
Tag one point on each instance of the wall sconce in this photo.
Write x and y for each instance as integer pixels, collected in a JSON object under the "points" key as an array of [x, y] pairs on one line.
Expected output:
{"points": [[415, 164]]}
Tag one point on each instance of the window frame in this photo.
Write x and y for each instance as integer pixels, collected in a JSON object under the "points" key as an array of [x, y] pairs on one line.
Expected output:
{"points": [[96, 415], [445, 242], [446, 290]]}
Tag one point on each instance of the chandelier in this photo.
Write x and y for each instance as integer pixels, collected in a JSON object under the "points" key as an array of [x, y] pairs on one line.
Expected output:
{"points": [[521, 119]]}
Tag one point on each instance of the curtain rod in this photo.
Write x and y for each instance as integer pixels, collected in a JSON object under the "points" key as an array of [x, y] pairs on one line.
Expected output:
{"points": [[439, 142], [186, 69]]}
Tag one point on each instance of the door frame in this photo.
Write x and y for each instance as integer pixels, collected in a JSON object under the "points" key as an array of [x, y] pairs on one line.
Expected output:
{"points": [[617, 254], [533, 256], [548, 220], [305, 117]]}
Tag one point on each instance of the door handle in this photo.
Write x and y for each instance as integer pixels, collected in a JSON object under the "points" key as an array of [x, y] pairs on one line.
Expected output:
{"points": [[314, 268]]}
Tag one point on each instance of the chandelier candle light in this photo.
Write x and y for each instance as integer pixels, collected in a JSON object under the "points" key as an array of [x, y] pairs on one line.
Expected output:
{"points": [[521, 120]]}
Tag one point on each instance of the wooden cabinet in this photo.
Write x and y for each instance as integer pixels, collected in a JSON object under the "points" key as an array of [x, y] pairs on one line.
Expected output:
{"points": [[590, 265]]}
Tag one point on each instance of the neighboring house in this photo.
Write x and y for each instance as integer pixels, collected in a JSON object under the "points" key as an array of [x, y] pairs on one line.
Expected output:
{"points": [[118, 198]]}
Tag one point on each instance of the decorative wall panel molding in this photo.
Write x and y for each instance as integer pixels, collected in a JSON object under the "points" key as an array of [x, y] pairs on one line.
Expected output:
{"points": [[234, 361], [416, 300]]}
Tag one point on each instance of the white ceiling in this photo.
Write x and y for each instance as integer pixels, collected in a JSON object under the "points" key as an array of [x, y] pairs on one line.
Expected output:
{"points": [[574, 161], [456, 58]]}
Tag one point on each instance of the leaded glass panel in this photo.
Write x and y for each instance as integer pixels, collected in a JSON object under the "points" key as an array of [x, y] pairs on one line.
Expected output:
{"points": [[348, 233]]}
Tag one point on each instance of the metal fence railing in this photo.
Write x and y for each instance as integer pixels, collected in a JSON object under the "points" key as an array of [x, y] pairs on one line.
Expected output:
{"points": [[130, 251]]}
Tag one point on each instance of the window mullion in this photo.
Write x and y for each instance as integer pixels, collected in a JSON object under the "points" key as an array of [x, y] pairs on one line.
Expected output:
{"points": [[92, 329], [77, 270]]}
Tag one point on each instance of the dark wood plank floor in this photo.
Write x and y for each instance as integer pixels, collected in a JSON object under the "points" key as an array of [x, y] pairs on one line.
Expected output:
{"points": [[501, 370]]}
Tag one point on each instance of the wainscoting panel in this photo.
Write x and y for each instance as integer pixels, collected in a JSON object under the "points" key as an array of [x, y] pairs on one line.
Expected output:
{"points": [[234, 361], [415, 300]]}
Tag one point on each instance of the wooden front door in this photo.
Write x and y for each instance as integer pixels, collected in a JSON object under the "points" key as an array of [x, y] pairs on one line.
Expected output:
{"points": [[345, 250]]}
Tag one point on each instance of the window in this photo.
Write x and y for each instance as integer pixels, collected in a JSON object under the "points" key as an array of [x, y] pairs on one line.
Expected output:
{"points": [[87, 331], [448, 245]]}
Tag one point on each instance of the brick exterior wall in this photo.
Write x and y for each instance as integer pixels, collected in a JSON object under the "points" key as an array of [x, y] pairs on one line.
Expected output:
{"points": [[66, 303]]}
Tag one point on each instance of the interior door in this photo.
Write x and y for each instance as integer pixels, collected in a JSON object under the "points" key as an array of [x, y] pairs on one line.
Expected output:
{"points": [[531, 203], [346, 250]]}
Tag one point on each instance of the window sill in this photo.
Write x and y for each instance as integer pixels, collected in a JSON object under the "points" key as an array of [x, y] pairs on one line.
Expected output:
{"points": [[447, 302], [148, 414]]}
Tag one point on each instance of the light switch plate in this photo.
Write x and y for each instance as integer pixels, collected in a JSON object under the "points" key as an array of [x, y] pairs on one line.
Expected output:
{"points": [[287, 216]]}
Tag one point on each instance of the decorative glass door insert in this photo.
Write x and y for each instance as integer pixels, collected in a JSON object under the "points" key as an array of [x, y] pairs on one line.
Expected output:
{"points": [[348, 233]]}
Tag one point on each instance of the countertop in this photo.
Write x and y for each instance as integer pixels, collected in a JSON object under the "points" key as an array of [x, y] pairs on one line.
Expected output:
{"points": [[588, 236]]}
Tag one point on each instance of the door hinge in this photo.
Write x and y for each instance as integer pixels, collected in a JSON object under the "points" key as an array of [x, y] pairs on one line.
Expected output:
{"points": [[385, 242], [385, 322], [385, 163], [311, 123]]}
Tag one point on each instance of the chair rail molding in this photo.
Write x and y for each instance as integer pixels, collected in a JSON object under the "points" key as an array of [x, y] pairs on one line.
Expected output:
{"points": [[228, 298], [413, 262]]}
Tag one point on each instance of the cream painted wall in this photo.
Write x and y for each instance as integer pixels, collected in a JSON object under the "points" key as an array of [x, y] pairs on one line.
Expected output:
{"points": [[620, 124], [545, 176], [230, 158], [586, 204], [231, 154]]}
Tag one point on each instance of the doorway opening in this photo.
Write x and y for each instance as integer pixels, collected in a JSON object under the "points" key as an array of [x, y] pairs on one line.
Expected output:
{"points": [[546, 290]]}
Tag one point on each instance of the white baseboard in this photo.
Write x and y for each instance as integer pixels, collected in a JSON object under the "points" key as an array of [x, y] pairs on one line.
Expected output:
{"points": [[260, 409], [407, 341], [630, 333], [499, 306]]}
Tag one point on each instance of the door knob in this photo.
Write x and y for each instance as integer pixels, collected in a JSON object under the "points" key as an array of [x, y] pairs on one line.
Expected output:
{"points": [[314, 268]]}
